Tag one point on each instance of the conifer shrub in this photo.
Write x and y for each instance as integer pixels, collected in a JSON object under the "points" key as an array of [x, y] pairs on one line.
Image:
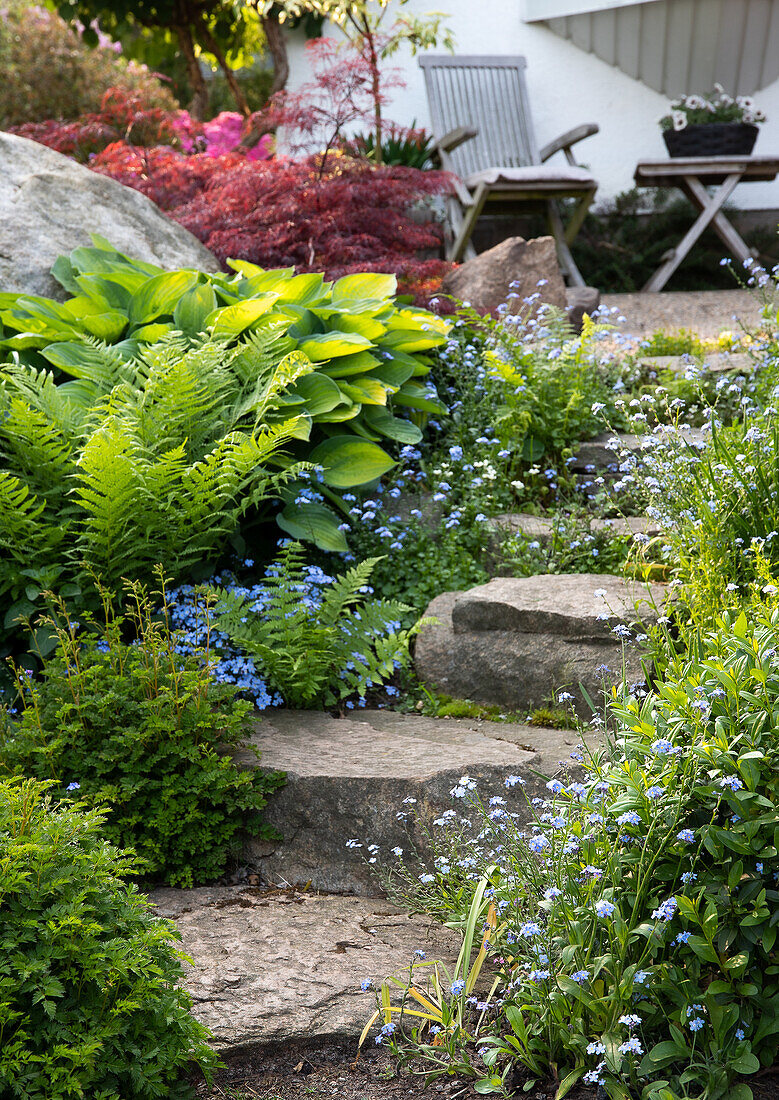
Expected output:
{"points": [[143, 732], [90, 1004]]}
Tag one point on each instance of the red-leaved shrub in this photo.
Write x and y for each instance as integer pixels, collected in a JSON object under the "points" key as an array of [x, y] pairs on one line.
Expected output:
{"points": [[123, 117], [338, 217]]}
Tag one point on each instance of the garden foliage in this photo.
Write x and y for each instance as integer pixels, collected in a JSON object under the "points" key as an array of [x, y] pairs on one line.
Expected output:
{"points": [[155, 431], [50, 73], [143, 733], [340, 216], [135, 461], [630, 927], [89, 975], [316, 647], [299, 636]]}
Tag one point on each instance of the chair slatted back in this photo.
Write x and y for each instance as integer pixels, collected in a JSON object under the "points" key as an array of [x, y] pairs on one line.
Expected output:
{"points": [[490, 95]]}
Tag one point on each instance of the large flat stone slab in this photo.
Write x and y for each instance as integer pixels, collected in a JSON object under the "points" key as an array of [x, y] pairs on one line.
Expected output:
{"points": [[280, 968], [519, 642], [565, 604], [604, 452], [348, 780], [50, 205], [542, 528]]}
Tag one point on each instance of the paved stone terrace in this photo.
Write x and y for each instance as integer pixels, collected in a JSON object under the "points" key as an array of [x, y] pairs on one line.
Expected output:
{"points": [[706, 312]]}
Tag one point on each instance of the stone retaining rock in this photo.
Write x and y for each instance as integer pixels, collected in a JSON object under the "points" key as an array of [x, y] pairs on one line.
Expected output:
{"points": [[347, 779], [485, 281], [279, 968], [518, 642], [50, 205]]}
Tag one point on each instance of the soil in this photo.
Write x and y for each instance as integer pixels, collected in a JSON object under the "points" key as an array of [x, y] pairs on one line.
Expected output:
{"points": [[329, 1071]]}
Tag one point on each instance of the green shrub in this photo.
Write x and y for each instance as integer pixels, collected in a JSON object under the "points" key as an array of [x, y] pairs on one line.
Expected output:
{"points": [[136, 461], [632, 924], [682, 342], [317, 639], [144, 732], [88, 975], [48, 71], [715, 499], [365, 350]]}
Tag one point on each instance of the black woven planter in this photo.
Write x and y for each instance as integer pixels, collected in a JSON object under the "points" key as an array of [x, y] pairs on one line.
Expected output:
{"points": [[712, 139]]}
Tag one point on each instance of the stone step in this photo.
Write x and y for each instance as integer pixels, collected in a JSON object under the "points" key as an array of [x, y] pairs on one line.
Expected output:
{"points": [[602, 453], [347, 779], [277, 968], [542, 528], [717, 362], [519, 641]]}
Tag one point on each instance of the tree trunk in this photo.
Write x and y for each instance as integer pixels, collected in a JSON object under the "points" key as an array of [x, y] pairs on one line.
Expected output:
{"points": [[278, 48], [199, 105], [212, 46]]}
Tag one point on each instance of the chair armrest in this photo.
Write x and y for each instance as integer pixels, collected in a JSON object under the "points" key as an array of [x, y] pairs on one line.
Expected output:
{"points": [[454, 138], [565, 141]]}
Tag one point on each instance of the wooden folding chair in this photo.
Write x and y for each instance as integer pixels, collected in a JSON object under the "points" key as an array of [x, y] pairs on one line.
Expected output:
{"points": [[484, 135]]}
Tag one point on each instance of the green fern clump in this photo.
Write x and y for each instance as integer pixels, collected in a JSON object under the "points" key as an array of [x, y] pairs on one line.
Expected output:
{"points": [[365, 384], [138, 460], [317, 640]]}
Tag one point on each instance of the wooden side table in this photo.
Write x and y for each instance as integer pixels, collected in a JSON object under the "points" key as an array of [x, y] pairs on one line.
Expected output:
{"points": [[693, 175]]}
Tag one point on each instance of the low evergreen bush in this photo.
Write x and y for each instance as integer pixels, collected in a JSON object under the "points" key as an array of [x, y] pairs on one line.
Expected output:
{"points": [[145, 733], [89, 1000]]}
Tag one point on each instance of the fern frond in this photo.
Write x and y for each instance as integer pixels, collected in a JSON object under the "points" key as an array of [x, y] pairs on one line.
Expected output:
{"points": [[346, 592]]}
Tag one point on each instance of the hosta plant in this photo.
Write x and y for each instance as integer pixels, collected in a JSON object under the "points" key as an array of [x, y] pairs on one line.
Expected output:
{"points": [[367, 387]]}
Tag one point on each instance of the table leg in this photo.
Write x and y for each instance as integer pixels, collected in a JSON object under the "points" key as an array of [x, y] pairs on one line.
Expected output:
{"points": [[719, 223], [710, 206]]}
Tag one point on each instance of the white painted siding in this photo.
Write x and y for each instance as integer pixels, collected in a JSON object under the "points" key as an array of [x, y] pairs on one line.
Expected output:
{"points": [[568, 86]]}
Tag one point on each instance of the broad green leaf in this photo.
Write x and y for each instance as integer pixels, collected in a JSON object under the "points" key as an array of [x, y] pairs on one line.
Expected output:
{"points": [[320, 393], [313, 523], [329, 345], [77, 359], [368, 391], [382, 421], [340, 414], [65, 274], [394, 374], [115, 291], [408, 340], [414, 396], [362, 324], [193, 308], [233, 320], [150, 334], [160, 295], [348, 461], [368, 288], [360, 363], [745, 1063]]}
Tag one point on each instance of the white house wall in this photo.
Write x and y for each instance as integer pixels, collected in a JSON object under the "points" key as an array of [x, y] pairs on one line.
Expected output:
{"points": [[568, 86]]}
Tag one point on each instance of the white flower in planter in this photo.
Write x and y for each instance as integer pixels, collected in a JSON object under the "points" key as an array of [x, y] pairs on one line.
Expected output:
{"points": [[679, 120]]}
